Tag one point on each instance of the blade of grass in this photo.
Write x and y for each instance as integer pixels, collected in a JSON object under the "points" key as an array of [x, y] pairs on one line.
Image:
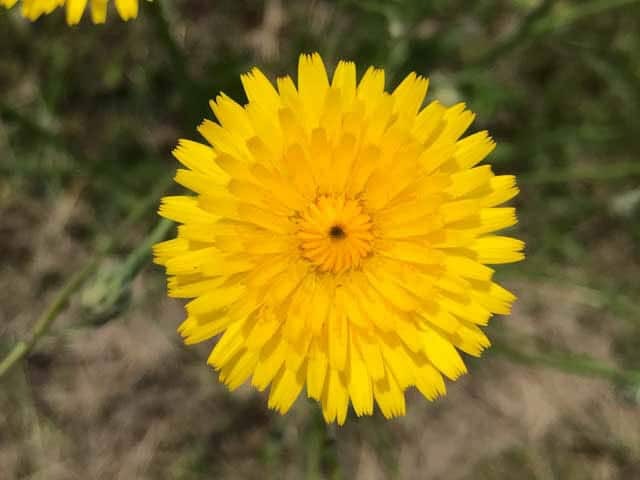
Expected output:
{"points": [[517, 36], [614, 171], [569, 363], [542, 21], [572, 15]]}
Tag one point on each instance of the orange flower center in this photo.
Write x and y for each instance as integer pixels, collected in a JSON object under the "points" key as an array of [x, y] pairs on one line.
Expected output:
{"points": [[335, 233]]}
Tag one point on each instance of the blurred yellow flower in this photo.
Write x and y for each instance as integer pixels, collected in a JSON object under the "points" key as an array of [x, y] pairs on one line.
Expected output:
{"points": [[34, 9], [338, 239]]}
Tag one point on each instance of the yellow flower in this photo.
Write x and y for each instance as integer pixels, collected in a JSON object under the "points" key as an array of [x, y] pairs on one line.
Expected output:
{"points": [[338, 239], [34, 9]]}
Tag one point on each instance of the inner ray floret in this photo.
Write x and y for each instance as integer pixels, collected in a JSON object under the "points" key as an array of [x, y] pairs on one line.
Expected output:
{"points": [[335, 233]]}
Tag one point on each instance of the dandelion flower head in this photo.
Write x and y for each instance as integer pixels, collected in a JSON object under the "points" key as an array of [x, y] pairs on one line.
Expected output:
{"points": [[34, 9], [338, 240]]}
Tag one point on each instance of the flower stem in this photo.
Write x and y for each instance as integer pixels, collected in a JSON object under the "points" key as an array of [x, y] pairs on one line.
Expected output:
{"points": [[23, 347], [134, 261]]}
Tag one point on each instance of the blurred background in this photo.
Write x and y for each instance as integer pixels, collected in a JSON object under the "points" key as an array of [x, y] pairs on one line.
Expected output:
{"points": [[88, 117]]}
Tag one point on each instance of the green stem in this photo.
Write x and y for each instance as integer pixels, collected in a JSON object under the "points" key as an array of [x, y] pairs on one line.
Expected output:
{"points": [[136, 260], [132, 265], [21, 349]]}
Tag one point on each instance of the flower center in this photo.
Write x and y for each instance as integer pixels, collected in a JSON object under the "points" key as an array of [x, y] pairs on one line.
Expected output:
{"points": [[335, 233]]}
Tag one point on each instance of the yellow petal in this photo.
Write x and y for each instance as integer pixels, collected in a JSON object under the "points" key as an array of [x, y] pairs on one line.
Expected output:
{"points": [[473, 149], [338, 336], [285, 389], [312, 84], [409, 94], [75, 9], [344, 79], [335, 400], [429, 382], [389, 396], [99, 11], [231, 116], [215, 300], [359, 382], [494, 249], [317, 369], [272, 357], [184, 210], [238, 369], [442, 354], [260, 90], [127, 9]]}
